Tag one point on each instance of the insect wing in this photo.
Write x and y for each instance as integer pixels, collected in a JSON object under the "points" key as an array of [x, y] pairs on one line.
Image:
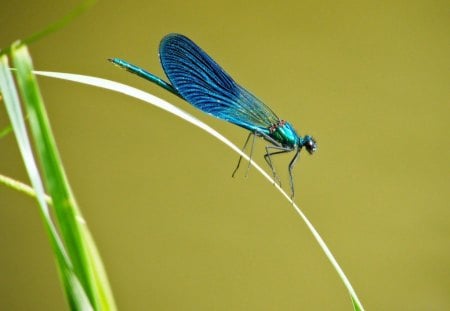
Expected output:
{"points": [[204, 84]]}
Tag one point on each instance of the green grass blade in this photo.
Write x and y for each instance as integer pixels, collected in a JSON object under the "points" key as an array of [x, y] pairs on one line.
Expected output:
{"points": [[77, 11], [80, 248], [5, 131], [77, 298], [356, 304], [21, 187], [82, 7]]}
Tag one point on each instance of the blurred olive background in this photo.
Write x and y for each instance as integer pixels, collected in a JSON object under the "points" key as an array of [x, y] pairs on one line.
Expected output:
{"points": [[369, 80]]}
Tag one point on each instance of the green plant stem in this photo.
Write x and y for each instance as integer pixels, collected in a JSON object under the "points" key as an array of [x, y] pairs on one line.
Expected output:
{"points": [[21, 187]]}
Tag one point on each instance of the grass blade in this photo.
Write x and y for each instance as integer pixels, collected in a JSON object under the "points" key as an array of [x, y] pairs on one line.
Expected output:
{"points": [[21, 187], [81, 250], [77, 11], [77, 299], [153, 100], [5, 131]]}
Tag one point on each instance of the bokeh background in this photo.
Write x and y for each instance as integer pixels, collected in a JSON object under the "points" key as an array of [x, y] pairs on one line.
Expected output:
{"points": [[369, 80]]}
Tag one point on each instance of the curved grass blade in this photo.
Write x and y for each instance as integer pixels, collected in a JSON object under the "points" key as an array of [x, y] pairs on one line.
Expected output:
{"points": [[155, 101], [82, 252]]}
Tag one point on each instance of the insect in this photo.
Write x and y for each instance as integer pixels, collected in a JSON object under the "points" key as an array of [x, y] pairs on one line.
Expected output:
{"points": [[197, 78]]}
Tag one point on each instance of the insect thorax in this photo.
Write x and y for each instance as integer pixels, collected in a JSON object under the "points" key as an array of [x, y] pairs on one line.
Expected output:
{"points": [[284, 133]]}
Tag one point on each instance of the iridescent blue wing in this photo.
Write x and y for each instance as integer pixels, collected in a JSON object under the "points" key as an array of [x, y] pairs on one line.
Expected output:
{"points": [[204, 84]]}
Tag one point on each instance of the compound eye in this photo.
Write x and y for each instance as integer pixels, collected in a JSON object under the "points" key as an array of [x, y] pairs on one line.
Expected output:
{"points": [[311, 145]]}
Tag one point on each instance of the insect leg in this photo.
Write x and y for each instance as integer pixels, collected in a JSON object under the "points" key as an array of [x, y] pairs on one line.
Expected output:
{"points": [[240, 157], [251, 154], [291, 167], [269, 160]]}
